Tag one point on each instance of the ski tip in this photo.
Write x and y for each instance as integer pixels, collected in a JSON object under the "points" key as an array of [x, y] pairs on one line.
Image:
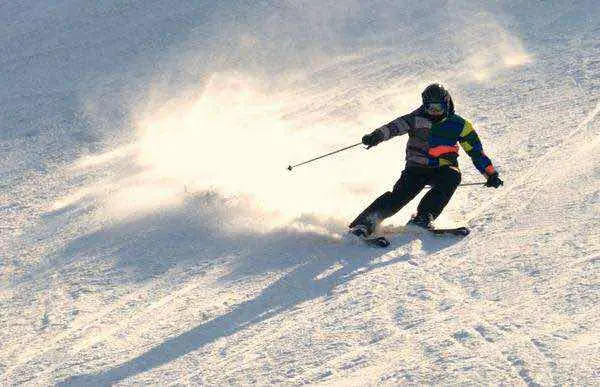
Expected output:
{"points": [[459, 231]]}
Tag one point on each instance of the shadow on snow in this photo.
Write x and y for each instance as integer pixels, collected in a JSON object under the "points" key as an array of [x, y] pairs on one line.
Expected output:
{"points": [[186, 237]]}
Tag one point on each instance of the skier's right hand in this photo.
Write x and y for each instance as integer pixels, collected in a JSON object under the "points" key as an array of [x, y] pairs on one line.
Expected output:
{"points": [[373, 139]]}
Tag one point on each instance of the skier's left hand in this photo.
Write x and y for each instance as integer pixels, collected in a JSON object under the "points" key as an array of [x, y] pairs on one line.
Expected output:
{"points": [[494, 181]]}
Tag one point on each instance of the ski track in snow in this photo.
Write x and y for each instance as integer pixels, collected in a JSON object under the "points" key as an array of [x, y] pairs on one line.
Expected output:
{"points": [[197, 293], [525, 179]]}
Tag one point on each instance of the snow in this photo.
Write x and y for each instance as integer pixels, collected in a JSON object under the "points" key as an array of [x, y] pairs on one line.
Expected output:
{"points": [[151, 234]]}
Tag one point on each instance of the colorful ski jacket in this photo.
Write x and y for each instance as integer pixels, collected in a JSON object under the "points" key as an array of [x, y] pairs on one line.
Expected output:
{"points": [[434, 144]]}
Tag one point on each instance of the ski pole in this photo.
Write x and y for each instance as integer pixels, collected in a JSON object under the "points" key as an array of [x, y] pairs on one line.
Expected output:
{"points": [[465, 184], [320, 157]]}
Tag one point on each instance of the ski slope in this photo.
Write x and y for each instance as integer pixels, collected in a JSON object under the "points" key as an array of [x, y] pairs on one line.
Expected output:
{"points": [[151, 234]]}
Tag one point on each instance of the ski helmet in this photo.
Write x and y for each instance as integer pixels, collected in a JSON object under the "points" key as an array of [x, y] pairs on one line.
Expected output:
{"points": [[437, 94]]}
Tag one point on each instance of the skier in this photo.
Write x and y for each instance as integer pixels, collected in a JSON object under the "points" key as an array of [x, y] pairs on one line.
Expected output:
{"points": [[431, 159]]}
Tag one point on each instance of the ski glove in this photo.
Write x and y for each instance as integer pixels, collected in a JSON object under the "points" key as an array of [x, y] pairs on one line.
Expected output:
{"points": [[494, 181], [373, 139]]}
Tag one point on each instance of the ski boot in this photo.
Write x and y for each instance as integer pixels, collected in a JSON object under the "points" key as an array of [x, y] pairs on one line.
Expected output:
{"points": [[421, 220], [361, 231], [363, 234], [426, 222], [365, 229], [365, 226]]}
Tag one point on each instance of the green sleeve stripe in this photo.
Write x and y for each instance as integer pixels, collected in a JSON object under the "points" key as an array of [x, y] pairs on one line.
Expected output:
{"points": [[466, 146], [467, 129], [471, 138]]}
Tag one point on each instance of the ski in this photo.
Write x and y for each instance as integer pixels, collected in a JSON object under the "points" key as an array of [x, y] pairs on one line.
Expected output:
{"points": [[382, 241], [460, 231]]}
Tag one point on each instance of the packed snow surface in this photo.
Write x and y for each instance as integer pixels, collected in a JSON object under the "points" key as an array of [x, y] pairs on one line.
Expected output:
{"points": [[151, 234]]}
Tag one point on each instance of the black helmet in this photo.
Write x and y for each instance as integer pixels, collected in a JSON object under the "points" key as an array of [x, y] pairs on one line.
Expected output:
{"points": [[435, 93]]}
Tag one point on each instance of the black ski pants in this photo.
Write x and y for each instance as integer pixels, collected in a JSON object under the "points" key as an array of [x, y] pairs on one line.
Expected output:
{"points": [[443, 182]]}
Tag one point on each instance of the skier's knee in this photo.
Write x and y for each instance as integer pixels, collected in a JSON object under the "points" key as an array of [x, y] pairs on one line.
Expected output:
{"points": [[451, 181], [457, 179], [395, 196], [454, 175]]}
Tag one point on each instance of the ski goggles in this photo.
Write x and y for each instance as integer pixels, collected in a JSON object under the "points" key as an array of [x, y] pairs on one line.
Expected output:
{"points": [[434, 107]]}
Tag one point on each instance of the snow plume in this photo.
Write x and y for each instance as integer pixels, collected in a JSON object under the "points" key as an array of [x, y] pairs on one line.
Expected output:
{"points": [[235, 139], [486, 46], [228, 140]]}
